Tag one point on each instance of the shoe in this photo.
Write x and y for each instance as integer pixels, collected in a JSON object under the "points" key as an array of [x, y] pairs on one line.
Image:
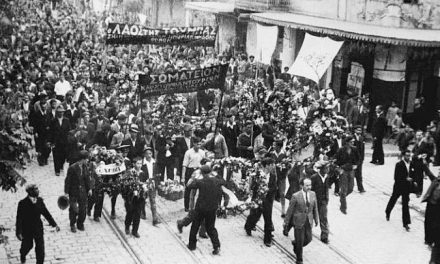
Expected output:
{"points": [[283, 215], [203, 236], [186, 210], [387, 217], [73, 229], [373, 162], [136, 235], [156, 222], [179, 226], [254, 229], [248, 231], [22, 259], [407, 228], [294, 246], [343, 211], [80, 228], [127, 230], [192, 248], [113, 216], [268, 244], [324, 240], [57, 174], [216, 251], [143, 217], [362, 191], [96, 219]]}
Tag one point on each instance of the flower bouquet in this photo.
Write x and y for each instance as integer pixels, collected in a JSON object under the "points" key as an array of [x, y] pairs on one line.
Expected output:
{"points": [[171, 190]]}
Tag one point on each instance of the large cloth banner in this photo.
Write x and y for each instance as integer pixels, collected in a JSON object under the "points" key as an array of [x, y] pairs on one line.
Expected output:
{"points": [[183, 81], [315, 57], [137, 34], [266, 42]]}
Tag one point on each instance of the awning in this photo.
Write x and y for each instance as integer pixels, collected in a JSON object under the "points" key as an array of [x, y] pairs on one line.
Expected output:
{"points": [[351, 30], [315, 56], [211, 7]]}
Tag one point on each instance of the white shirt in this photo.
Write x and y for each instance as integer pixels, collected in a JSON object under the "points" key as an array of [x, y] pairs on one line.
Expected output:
{"points": [[192, 158], [61, 88], [306, 196], [60, 120], [149, 165], [406, 165], [323, 177], [188, 142]]}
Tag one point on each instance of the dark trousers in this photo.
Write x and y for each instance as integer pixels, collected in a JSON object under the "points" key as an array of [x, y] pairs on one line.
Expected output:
{"points": [[133, 216], [358, 176], [406, 219], [188, 173], [254, 215], [59, 157], [432, 224], [378, 155], [303, 236], [346, 182], [77, 210], [209, 218], [435, 255], [323, 221], [27, 244], [42, 148], [99, 202], [169, 165], [189, 218]]}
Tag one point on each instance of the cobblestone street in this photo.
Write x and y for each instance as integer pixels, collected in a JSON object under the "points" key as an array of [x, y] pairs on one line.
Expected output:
{"points": [[361, 236]]}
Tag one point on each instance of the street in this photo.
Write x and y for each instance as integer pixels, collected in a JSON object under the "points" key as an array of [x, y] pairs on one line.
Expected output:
{"points": [[361, 236]]}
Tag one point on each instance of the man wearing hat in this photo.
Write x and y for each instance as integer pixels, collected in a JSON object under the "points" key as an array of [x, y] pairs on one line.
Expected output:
{"points": [[210, 193], [77, 188], [39, 120], [321, 185], [359, 143], [59, 130], [29, 227], [135, 143]]}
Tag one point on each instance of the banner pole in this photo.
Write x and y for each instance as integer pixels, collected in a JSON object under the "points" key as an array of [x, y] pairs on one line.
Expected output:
{"points": [[218, 114]]}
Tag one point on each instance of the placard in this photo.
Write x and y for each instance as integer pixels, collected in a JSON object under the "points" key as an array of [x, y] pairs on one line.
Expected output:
{"points": [[110, 169]]}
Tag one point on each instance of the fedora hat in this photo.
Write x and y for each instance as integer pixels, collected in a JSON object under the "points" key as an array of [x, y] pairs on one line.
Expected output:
{"points": [[60, 108], [63, 202], [134, 128]]}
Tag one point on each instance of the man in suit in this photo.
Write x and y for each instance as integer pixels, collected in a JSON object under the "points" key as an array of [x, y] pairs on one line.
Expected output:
{"points": [[432, 218], [420, 159], [321, 185], [265, 209], [29, 227], [136, 143], [182, 145], [303, 209], [210, 194], [72, 112], [77, 188], [378, 133], [402, 186], [40, 122], [347, 158], [102, 138], [359, 143], [278, 155], [59, 130], [99, 120]]}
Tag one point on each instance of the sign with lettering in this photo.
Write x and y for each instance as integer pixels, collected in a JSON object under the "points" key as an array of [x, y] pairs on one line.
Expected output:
{"points": [[136, 34], [110, 169], [184, 81]]}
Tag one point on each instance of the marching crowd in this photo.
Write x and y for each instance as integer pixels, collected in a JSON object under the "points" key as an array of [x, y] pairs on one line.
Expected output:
{"points": [[60, 82]]}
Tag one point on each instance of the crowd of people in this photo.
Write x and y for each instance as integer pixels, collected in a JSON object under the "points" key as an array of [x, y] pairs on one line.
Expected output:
{"points": [[61, 83]]}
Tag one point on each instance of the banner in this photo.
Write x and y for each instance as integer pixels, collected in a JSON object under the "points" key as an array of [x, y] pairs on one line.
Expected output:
{"points": [[315, 56], [137, 34], [183, 81], [110, 169], [267, 37]]}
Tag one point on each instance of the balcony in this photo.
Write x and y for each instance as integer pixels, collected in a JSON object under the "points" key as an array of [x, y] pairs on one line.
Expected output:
{"points": [[263, 5]]}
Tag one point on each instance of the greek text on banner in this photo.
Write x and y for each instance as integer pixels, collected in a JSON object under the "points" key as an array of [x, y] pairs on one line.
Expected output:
{"points": [[136, 34], [184, 81], [110, 169]]}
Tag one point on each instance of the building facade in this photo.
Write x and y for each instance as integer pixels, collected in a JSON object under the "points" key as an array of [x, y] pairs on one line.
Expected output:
{"points": [[391, 48]]}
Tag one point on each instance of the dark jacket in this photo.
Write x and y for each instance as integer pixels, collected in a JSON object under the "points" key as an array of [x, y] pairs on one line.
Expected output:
{"points": [[40, 123], [320, 188], [58, 134], [401, 184], [294, 176], [360, 145], [77, 181], [181, 147], [210, 192], [231, 135], [29, 217], [379, 127], [136, 150], [345, 160]]}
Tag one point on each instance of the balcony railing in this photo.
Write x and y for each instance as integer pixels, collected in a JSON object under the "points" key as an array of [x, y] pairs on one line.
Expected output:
{"points": [[263, 5]]}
